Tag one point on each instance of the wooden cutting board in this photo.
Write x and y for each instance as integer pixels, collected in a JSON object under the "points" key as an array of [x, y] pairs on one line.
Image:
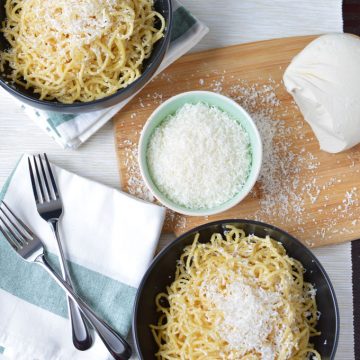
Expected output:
{"points": [[307, 192]]}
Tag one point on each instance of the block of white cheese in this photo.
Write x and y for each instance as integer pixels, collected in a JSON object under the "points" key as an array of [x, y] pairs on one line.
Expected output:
{"points": [[324, 80]]}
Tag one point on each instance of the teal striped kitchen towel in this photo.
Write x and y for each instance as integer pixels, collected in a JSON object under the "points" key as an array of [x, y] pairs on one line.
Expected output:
{"points": [[109, 240], [71, 130]]}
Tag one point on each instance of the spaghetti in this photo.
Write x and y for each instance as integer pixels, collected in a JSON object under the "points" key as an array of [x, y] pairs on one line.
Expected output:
{"points": [[78, 50], [237, 297]]}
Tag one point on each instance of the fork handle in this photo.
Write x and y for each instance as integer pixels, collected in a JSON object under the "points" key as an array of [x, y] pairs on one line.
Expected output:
{"points": [[116, 345], [81, 336]]}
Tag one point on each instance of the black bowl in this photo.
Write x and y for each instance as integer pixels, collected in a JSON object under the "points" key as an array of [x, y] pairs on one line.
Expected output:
{"points": [[161, 274], [164, 7]]}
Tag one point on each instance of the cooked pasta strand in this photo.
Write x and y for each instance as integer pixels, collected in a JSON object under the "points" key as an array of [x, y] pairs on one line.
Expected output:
{"points": [[193, 323], [78, 50]]}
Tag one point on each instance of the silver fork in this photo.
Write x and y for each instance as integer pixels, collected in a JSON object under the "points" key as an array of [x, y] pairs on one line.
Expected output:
{"points": [[31, 249], [50, 208]]}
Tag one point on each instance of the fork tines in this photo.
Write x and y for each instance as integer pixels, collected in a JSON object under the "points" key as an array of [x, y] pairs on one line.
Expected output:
{"points": [[14, 229], [42, 179]]}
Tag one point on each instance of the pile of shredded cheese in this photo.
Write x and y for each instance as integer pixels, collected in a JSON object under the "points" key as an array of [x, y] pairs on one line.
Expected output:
{"points": [[200, 157], [81, 21], [75, 22], [250, 316]]}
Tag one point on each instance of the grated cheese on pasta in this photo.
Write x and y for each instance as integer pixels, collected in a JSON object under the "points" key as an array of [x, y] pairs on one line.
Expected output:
{"points": [[80, 21], [250, 316]]}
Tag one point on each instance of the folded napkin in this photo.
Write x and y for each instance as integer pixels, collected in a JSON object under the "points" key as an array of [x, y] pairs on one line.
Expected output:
{"points": [[109, 239], [71, 130]]}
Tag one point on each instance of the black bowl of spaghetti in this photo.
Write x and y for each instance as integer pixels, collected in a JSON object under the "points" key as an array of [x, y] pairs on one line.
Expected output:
{"points": [[236, 289], [80, 56]]}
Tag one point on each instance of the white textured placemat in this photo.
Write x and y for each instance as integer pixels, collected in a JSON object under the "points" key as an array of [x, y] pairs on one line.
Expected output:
{"points": [[336, 260], [240, 21]]}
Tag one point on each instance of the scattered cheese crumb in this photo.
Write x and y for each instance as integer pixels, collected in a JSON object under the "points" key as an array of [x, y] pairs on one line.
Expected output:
{"points": [[286, 184]]}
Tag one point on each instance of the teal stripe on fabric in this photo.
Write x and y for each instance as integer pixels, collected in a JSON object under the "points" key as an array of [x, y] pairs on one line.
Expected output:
{"points": [[52, 127], [56, 119], [7, 182], [182, 22], [111, 299], [2, 350]]}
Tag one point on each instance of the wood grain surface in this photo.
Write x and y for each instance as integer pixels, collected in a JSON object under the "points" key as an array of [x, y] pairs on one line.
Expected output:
{"points": [[305, 191]]}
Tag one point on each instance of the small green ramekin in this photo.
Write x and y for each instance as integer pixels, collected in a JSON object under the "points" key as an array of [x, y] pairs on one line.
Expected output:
{"points": [[227, 105]]}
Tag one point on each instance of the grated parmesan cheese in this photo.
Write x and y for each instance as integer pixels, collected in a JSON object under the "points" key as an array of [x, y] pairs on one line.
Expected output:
{"points": [[200, 157], [79, 22], [250, 317]]}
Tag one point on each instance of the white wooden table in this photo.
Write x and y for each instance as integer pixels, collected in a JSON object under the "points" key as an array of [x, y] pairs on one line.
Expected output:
{"points": [[230, 23]]}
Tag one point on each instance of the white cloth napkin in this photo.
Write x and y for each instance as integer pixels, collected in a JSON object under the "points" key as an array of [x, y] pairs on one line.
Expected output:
{"points": [[109, 238]]}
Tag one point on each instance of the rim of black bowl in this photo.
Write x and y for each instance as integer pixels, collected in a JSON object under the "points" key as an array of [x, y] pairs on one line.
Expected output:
{"points": [[221, 222], [62, 106]]}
